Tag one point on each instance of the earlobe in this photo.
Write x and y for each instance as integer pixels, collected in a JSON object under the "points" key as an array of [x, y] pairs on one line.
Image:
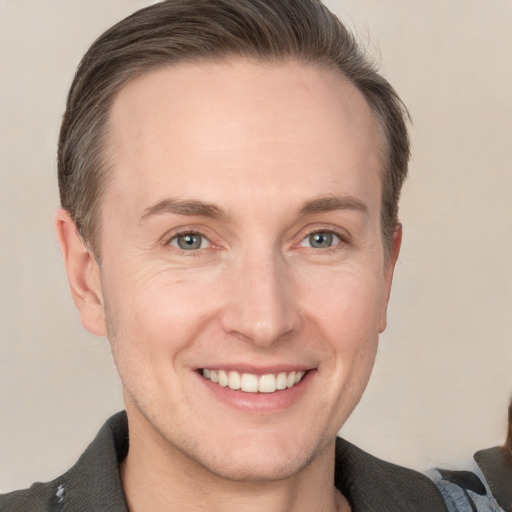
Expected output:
{"points": [[83, 274], [394, 251]]}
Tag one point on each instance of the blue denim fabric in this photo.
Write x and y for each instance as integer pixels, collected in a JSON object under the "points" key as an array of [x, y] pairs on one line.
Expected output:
{"points": [[464, 497]]}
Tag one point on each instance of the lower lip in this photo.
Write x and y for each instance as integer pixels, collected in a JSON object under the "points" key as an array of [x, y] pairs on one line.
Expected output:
{"points": [[259, 402]]}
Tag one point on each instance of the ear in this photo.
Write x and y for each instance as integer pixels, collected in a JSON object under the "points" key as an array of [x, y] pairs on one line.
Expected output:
{"points": [[83, 274], [390, 263]]}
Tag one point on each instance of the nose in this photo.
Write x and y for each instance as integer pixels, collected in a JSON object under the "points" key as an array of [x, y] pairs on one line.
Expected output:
{"points": [[261, 305]]}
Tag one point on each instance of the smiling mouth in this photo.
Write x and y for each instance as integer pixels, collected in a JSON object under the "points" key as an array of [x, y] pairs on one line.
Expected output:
{"points": [[250, 383]]}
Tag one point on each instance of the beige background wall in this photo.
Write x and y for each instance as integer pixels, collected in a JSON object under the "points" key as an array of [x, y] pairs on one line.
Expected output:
{"points": [[443, 374]]}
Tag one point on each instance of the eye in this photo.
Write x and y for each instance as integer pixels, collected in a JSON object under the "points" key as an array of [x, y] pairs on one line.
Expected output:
{"points": [[189, 241], [321, 240]]}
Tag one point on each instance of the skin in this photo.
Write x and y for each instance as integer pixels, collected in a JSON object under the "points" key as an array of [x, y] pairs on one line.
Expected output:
{"points": [[275, 152]]}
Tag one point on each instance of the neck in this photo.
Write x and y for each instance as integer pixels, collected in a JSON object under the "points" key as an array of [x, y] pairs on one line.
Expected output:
{"points": [[158, 477]]}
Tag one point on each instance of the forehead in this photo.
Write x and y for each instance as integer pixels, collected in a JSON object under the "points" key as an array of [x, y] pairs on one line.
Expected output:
{"points": [[275, 125]]}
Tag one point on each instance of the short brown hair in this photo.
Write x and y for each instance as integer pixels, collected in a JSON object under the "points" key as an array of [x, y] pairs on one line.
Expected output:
{"points": [[173, 31]]}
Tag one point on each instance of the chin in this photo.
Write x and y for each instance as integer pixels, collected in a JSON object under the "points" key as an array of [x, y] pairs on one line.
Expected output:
{"points": [[264, 466], [257, 456]]}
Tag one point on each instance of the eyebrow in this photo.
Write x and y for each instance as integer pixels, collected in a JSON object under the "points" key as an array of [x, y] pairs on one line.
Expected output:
{"points": [[189, 207], [195, 208], [332, 203]]}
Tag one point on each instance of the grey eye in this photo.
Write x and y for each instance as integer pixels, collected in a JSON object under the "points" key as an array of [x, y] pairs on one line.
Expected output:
{"points": [[189, 241], [321, 240]]}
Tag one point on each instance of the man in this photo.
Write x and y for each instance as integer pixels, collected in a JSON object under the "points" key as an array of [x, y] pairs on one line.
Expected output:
{"points": [[229, 174]]}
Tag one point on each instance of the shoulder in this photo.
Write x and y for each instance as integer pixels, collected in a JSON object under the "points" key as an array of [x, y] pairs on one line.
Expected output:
{"points": [[92, 484], [38, 498], [495, 465], [462, 490], [371, 484], [465, 490]]}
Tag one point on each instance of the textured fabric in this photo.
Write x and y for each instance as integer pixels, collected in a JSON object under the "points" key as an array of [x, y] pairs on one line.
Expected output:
{"points": [[372, 485], [486, 486], [464, 491], [496, 465], [94, 484]]}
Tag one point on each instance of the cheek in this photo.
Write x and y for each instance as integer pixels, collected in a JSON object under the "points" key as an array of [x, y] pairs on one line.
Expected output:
{"points": [[158, 311], [152, 323], [344, 314], [347, 305]]}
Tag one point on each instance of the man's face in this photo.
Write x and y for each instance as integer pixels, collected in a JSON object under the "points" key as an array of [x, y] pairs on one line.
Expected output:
{"points": [[241, 242]]}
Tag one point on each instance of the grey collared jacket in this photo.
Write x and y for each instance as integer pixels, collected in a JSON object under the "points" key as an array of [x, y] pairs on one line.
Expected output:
{"points": [[93, 484]]}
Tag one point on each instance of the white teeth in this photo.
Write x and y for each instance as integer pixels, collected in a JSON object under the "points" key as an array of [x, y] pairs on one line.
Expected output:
{"points": [[281, 381], [234, 381], [267, 383], [223, 378], [250, 383]]}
